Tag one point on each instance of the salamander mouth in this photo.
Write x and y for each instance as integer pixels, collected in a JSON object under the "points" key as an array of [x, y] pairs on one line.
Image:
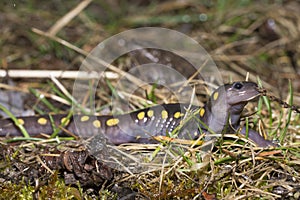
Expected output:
{"points": [[243, 97], [254, 97], [253, 94]]}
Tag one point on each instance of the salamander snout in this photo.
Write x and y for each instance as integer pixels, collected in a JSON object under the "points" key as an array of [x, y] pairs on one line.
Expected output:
{"points": [[239, 92]]}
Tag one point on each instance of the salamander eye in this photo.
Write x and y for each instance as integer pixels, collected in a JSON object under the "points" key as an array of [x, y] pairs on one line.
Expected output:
{"points": [[238, 85]]}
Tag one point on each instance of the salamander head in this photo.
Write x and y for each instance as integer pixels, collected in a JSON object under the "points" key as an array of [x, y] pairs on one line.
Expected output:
{"points": [[229, 100], [241, 92], [237, 93]]}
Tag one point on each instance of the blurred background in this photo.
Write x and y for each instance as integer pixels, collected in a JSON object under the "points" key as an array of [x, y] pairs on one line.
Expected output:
{"points": [[259, 37]]}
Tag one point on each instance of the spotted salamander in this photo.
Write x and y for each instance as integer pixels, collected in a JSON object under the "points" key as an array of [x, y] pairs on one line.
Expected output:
{"points": [[221, 114]]}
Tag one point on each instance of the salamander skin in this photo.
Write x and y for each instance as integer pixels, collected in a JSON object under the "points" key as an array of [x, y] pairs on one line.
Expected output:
{"points": [[221, 114]]}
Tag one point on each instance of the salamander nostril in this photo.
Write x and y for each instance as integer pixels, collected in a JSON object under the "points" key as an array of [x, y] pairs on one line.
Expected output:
{"points": [[238, 85]]}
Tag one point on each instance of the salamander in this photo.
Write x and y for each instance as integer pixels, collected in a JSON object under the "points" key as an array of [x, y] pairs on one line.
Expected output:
{"points": [[221, 114]]}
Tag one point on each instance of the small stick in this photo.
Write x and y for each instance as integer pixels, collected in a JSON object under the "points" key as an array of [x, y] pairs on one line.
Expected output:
{"points": [[57, 74], [283, 103]]}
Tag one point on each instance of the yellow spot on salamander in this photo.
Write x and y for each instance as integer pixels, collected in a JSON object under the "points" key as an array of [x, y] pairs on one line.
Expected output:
{"points": [[84, 118], [141, 115], [202, 112], [177, 115], [42, 121], [164, 114], [112, 122], [96, 123], [65, 121], [150, 113], [216, 95], [21, 121]]}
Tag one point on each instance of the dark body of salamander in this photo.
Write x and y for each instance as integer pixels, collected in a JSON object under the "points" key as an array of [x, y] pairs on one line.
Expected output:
{"points": [[223, 110]]}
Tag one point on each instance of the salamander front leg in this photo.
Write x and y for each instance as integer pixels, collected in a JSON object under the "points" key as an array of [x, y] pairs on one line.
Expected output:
{"points": [[257, 138]]}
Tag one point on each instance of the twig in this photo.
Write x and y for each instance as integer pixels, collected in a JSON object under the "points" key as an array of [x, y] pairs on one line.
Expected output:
{"points": [[57, 74], [68, 17]]}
